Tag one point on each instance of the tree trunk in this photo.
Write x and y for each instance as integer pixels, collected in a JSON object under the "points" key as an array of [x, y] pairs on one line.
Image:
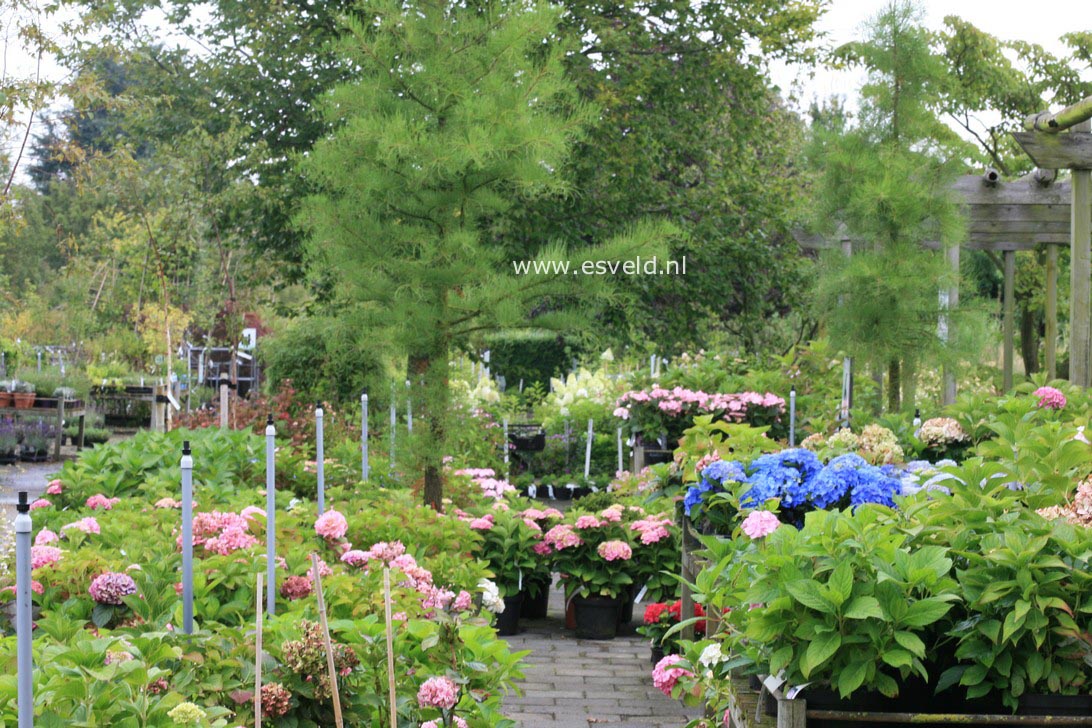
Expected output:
{"points": [[909, 383], [431, 371], [1029, 340], [893, 386]]}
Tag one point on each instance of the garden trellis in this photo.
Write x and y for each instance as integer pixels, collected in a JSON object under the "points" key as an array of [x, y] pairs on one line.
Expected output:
{"points": [[1007, 217]]}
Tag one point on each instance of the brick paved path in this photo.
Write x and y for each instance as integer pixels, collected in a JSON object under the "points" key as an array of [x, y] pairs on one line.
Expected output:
{"points": [[575, 683]]}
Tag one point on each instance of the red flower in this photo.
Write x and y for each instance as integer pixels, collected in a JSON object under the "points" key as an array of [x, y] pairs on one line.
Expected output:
{"points": [[654, 611]]}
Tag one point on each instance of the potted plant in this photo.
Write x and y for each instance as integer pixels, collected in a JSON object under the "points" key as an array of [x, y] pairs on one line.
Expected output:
{"points": [[6, 400], [536, 585], [23, 394], [36, 439], [594, 556], [507, 545], [9, 442], [659, 619]]}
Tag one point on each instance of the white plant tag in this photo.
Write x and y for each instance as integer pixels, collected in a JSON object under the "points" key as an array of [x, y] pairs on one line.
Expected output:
{"points": [[641, 594], [521, 580]]}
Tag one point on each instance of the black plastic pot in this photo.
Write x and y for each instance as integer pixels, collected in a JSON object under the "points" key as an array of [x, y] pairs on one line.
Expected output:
{"points": [[657, 654], [535, 607], [625, 607], [508, 620], [657, 457], [596, 617], [1068, 705]]}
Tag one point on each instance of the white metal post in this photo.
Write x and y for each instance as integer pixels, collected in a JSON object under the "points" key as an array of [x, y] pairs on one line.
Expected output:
{"points": [[364, 436], [587, 450], [792, 417], [320, 458], [270, 515], [23, 607], [187, 538], [409, 409], [621, 464]]}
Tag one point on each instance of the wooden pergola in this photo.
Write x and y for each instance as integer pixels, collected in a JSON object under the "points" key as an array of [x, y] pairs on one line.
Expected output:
{"points": [[1004, 218]]}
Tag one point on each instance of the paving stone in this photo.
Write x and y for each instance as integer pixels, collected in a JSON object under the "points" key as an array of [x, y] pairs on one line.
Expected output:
{"points": [[575, 683]]}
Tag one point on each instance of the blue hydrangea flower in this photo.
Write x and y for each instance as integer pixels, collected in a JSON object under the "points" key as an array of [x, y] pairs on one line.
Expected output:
{"points": [[780, 475], [724, 471], [694, 496], [873, 486]]}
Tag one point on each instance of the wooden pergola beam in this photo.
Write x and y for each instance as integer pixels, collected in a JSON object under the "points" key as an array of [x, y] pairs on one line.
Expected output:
{"points": [[1046, 121]]}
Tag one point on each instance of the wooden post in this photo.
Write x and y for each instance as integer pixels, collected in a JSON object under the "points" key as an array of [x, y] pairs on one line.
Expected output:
{"points": [[1009, 306], [953, 303], [60, 429], [689, 544], [223, 400], [158, 413], [392, 699], [330, 667], [1080, 271], [792, 713], [1052, 312], [258, 656]]}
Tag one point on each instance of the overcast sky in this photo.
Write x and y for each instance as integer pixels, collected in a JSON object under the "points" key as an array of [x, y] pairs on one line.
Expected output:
{"points": [[1043, 23]]}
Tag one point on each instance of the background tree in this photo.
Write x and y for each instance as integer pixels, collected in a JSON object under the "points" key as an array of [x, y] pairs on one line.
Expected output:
{"points": [[689, 129], [886, 180], [456, 111]]}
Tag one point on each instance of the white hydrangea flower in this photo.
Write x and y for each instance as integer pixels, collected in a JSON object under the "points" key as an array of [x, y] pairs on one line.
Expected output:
{"points": [[491, 598], [711, 655]]}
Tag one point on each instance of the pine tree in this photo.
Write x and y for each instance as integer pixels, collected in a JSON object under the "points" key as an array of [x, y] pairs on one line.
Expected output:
{"points": [[457, 110], [886, 182]]}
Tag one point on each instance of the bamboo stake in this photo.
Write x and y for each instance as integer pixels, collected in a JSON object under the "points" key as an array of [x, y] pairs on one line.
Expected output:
{"points": [[258, 657], [326, 639], [390, 644]]}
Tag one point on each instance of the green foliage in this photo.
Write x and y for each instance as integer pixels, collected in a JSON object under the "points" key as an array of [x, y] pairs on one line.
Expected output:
{"points": [[884, 183], [731, 441], [329, 359], [531, 356], [717, 170], [844, 600]]}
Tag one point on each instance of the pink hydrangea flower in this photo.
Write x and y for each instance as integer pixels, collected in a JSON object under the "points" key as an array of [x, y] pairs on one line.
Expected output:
{"points": [[613, 514], [356, 557], [759, 524], [652, 529], [40, 503], [561, 537], [110, 587], [251, 511], [44, 556], [531, 524], [55, 487], [168, 503], [665, 675], [45, 537], [296, 587], [35, 586], [87, 525], [542, 548], [615, 551], [331, 525], [588, 522], [463, 601], [1050, 398], [231, 539], [484, 523], [438, 692], [98, 501], [387, 551]]}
